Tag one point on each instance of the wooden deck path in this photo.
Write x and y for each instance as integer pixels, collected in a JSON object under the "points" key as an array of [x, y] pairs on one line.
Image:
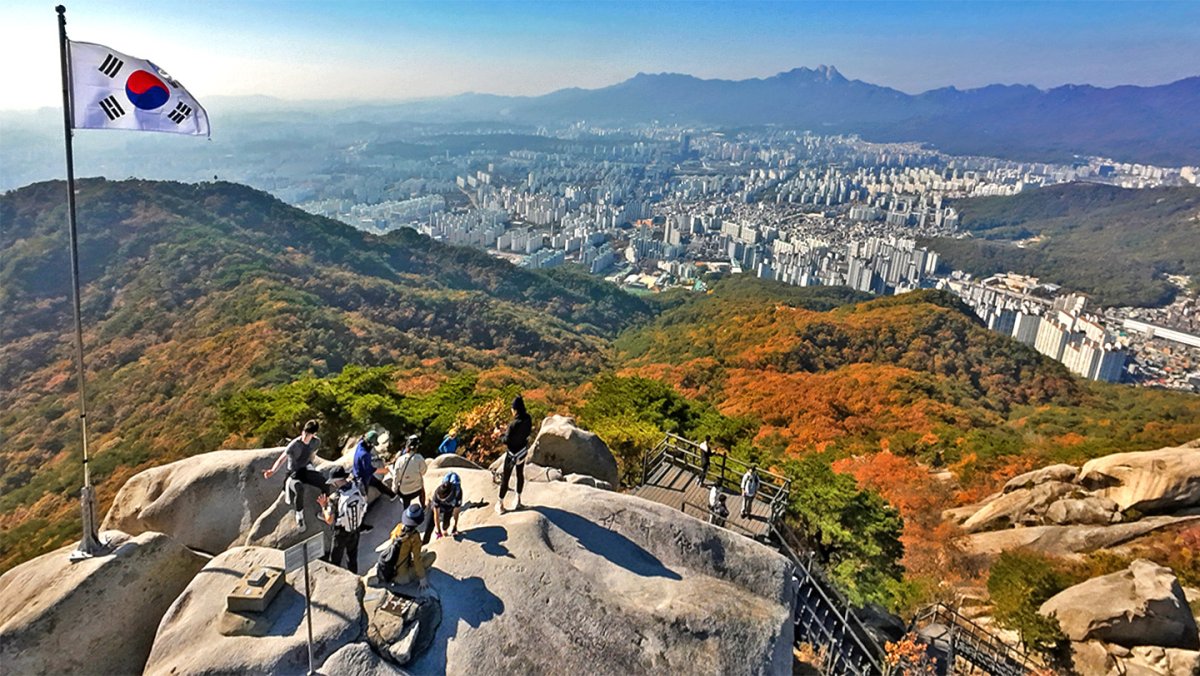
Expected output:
{"points": [[679, 488]]}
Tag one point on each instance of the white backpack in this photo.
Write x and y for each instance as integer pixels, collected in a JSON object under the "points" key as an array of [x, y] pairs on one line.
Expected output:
{"points": [[351, 509]]}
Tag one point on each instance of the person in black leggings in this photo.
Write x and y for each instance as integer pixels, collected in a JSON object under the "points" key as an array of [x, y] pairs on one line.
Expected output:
{"points": [[516, 441], [299, 455]]}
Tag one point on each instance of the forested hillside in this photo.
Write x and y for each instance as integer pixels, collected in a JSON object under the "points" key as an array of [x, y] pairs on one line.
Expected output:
{"points": [[1112, 243], [194, 292]]}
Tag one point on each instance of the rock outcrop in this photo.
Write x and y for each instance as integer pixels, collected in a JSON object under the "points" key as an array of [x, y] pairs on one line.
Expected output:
{"points": [[1140, 606], [198, 635], [1020, 507], [451, 461], [1061, 540], [1109, 501], [563, 445], [207, 502], [95, 616], [615, 584], [1166, 480], [1061, 473]]}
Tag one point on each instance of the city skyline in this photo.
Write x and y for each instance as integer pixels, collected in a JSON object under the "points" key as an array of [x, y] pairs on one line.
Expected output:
{"points": [[350, 52]]}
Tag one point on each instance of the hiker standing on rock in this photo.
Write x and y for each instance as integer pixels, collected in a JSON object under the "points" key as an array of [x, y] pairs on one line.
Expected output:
{"points": [[516, 441], [403, 558], [345, 512], [364, 466], [408, 474], [749, 489], [299, 456], [449, 444]]}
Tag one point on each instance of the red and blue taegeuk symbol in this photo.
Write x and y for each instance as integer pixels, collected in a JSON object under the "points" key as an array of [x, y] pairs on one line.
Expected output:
{"points": [[145, 90]]}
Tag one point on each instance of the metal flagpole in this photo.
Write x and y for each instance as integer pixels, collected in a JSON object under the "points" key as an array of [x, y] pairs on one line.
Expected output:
{"points": [[89, 544]]}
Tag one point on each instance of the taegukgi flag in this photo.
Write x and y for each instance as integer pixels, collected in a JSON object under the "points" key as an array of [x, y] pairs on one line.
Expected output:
{"points": [[111, 90]]}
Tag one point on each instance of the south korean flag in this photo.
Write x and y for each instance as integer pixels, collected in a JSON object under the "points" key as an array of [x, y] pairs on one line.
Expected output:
{"points": [[111, 90]]}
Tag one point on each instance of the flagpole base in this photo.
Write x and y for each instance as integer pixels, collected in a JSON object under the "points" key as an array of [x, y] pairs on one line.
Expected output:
{"points": [[90, 545]]}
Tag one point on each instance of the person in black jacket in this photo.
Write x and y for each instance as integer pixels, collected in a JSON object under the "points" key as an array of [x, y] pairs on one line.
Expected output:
{"points": [[516, 441]]}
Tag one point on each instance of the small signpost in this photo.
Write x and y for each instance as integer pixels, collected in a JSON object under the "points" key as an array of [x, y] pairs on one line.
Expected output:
{"points": [[295, 557]]}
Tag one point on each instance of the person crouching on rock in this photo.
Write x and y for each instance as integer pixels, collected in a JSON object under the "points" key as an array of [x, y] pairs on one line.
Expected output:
{"points": [[345, 512], [364, 466], [447, 499], [403, 558], [299, 455], [516, 441]]}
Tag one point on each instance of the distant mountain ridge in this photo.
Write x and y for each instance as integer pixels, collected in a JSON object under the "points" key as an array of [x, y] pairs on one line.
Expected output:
{"points": [[1127, 123]]}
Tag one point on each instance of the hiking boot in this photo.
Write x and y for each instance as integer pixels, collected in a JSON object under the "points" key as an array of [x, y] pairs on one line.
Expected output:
{"points": [[518, 505], [499, 506], [300, 521]]}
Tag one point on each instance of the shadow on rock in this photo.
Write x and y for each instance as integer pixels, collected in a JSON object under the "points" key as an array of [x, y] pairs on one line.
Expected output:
{"points": [[490, 538], [611, 545], [464, 601]]}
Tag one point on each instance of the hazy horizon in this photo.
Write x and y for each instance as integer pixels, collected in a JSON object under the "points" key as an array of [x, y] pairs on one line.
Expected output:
{"points": [[308, 52]]}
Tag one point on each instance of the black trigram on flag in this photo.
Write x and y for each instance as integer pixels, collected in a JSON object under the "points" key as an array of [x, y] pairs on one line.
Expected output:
{"points": [[111, 66], [111, 107], [181, 112]]}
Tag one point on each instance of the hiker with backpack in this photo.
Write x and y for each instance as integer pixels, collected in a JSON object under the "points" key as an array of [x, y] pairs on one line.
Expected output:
{"points": [[750, 485], [364, 466], [299, 457], [402, 559], [447, 500], [344, 510], [408, 474], [516, 443], [717, 510]]}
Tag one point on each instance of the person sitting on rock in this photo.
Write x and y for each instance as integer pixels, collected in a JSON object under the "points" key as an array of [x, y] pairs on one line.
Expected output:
{"points": [[408, 474], [750, 485], [403, 559], [719, 511], [449, 444], [344, 511], [516, 442], [299, 456], [447, 500], [364, 466]]}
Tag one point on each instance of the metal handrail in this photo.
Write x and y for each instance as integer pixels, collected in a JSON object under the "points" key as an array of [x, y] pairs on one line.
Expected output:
{"points": [[853, 626], [977, 634]]}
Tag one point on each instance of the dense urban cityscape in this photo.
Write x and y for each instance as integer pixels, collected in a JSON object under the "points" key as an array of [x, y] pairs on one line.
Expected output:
{"points": [[657, 207]]}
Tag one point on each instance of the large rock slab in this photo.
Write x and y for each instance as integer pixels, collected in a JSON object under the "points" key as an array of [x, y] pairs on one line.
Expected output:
{"points": [[1162, 481], [207, 502], [1087, 511], [1061, 473], [1061, 540], [451, 461], [561, 444], [1140, 606], [1020, 507], [96, 616], [276, 527], [190, 638], [585, 580], [357, 659]]}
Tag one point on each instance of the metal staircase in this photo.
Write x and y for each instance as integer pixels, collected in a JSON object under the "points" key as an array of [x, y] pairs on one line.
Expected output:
{"points": [[824, 619], [965, 647]]}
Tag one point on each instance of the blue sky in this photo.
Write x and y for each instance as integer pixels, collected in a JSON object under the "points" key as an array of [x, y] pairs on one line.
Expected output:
{"points": [[398, 50]]}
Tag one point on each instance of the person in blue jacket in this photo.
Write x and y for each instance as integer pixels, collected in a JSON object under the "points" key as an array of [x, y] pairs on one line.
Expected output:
{"points": [[450, 443], [364, 466]]}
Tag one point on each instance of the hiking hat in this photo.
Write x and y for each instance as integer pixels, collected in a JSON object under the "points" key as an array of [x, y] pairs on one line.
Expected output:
{"points": [[371, 436], [413, 516], [451, 478]]}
